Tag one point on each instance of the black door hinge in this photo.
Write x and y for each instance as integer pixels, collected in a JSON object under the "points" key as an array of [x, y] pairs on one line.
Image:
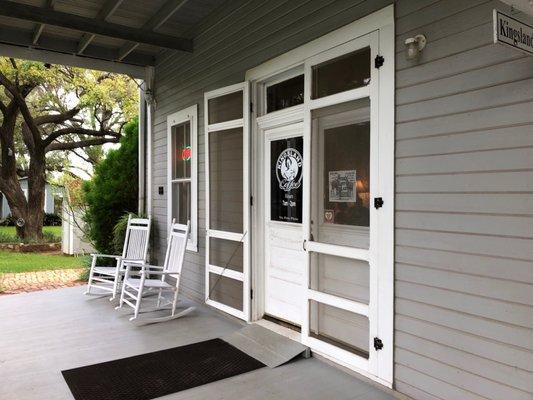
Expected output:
{"points": [[378, 344], [378, 202], [251, 294], [379, 61], [251, 107], [251, 201]]}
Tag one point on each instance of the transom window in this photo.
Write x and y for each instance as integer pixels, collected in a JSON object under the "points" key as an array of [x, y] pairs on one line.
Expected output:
{"points": [[340, 74], [287, 93]]}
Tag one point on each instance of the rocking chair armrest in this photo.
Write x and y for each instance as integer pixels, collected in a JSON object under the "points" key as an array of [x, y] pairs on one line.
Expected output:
{"points": [[106, 256], [144, 267], [136, 263], [148, 266], [158, 272]]}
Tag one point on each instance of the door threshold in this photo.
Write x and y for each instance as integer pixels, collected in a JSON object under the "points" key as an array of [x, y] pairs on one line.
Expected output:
{"points": [[282, 322], [279, 329]]}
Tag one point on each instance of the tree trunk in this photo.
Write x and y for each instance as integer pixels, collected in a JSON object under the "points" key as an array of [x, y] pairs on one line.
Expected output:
{"points": [[33, 227]]}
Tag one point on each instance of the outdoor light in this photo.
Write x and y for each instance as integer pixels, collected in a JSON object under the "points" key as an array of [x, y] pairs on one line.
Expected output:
{"points": [[149, 96], [414, 46]]}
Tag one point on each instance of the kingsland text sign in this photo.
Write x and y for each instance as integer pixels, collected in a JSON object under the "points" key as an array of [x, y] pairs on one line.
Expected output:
{"points": [[514, 33]]}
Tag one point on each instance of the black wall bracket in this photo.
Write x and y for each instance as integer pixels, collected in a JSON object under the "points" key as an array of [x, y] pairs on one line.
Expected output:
{"points": [[379, 61]]}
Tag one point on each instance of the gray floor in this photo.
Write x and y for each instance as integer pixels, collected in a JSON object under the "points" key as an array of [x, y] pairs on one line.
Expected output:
{"points": [[45, 332]]}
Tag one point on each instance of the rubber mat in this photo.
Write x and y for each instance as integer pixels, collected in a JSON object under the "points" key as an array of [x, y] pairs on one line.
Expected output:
{"points": [[160, 373]]}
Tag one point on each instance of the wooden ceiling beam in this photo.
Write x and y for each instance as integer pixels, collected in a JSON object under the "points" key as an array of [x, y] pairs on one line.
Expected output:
{"points": [[93, 26], [109, 7], [159, 18]]}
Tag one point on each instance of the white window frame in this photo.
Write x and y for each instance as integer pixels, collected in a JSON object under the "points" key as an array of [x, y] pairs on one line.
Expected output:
{"points": [[380, 23], [190, 115]]}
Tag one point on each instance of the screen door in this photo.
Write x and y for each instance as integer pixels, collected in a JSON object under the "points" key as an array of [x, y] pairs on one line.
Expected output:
{"points": [[227, 192], [343, 163]]}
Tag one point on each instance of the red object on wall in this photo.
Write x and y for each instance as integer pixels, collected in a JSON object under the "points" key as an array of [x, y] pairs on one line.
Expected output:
{"points": [[186, 153]]}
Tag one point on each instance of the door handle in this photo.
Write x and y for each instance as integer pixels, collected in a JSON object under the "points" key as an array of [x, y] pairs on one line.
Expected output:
{"points": [[311, 239]]}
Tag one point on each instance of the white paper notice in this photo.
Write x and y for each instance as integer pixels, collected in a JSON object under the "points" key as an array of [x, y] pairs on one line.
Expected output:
{"points": [[342, 186]]}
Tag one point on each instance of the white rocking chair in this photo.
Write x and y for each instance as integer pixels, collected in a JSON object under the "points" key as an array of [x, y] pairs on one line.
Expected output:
{"points": [[134, 288], [135, 251]]}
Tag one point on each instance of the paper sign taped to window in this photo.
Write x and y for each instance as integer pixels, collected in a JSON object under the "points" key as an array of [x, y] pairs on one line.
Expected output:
{"points": [[342, 186]]}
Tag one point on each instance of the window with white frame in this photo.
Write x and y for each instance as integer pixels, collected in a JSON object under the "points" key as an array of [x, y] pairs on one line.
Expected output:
{"points": [[182, 128]]}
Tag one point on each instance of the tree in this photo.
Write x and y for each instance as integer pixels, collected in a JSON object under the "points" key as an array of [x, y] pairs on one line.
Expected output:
{"points": [[113, 190], [48, 111]]}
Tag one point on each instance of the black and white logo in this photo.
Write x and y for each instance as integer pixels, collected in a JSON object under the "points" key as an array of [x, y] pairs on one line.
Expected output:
{"points": [[289, 169]]}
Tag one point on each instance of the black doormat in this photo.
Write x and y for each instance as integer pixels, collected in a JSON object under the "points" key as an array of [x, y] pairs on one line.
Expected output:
{"points": [[152, 375]]}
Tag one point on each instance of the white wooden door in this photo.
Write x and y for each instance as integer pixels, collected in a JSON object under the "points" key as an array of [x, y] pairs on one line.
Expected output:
{"points": [[227, 283], [284, 256]]}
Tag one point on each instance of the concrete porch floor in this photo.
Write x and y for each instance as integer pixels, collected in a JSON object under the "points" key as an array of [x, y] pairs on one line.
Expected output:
{"points": [[42, 333]]}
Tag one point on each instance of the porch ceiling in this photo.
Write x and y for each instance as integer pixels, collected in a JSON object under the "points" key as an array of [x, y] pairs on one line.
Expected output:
{"points": [[115, 35]]}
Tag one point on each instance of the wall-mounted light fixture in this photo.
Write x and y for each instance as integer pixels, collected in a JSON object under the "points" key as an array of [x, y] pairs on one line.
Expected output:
{"points": [[414, 46]]}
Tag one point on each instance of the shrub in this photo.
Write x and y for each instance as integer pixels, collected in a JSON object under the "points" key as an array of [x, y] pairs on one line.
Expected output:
{"points": [[52, 220], [86, 263], [113, 190], [7, 221]]}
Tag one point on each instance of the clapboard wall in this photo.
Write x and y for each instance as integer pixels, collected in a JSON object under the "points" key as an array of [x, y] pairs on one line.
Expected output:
{"points": [[464, 207], [240, 35], [464, 180]]}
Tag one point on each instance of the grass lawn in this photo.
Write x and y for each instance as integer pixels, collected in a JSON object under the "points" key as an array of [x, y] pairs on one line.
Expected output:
{"points": [[26, 262], [8, 233]]}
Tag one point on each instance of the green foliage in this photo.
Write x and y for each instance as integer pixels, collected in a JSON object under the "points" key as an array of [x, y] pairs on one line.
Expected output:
{"points": [[51, 234], [27, 262], [119, 231], [86, 265], [113, 190], [104, 100], [52, 220], [48, 220]]}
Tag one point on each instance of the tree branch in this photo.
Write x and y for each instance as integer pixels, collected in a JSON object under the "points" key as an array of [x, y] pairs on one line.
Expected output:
{"points": [[81, 144], [23, 107], [3, 108], [78, 131], [57, 118]]}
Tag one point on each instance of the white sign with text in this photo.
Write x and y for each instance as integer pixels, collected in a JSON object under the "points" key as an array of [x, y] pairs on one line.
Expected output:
{"points": [[512, 32]]}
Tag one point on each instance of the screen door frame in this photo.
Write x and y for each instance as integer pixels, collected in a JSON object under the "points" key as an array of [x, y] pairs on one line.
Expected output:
{"points": [[244, 236], [380, 317]]}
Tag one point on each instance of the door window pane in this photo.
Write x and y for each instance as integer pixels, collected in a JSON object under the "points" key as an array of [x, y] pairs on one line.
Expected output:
{"points": [[285, 94], [225, 108], [346, 72], [286, 175], [181, 202], [226, 291], [181, 151], [341, 202], [226, 180], [340, 276], [341, 328], [346, 174], [226, 254]]}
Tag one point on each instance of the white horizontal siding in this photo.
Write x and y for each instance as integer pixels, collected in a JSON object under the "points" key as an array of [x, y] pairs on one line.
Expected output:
{"points": [[464, 208], [464, 183], [242, 35]]}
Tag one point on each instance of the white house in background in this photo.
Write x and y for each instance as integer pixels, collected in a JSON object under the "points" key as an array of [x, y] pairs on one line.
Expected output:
{"points": [[52, 199]]}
